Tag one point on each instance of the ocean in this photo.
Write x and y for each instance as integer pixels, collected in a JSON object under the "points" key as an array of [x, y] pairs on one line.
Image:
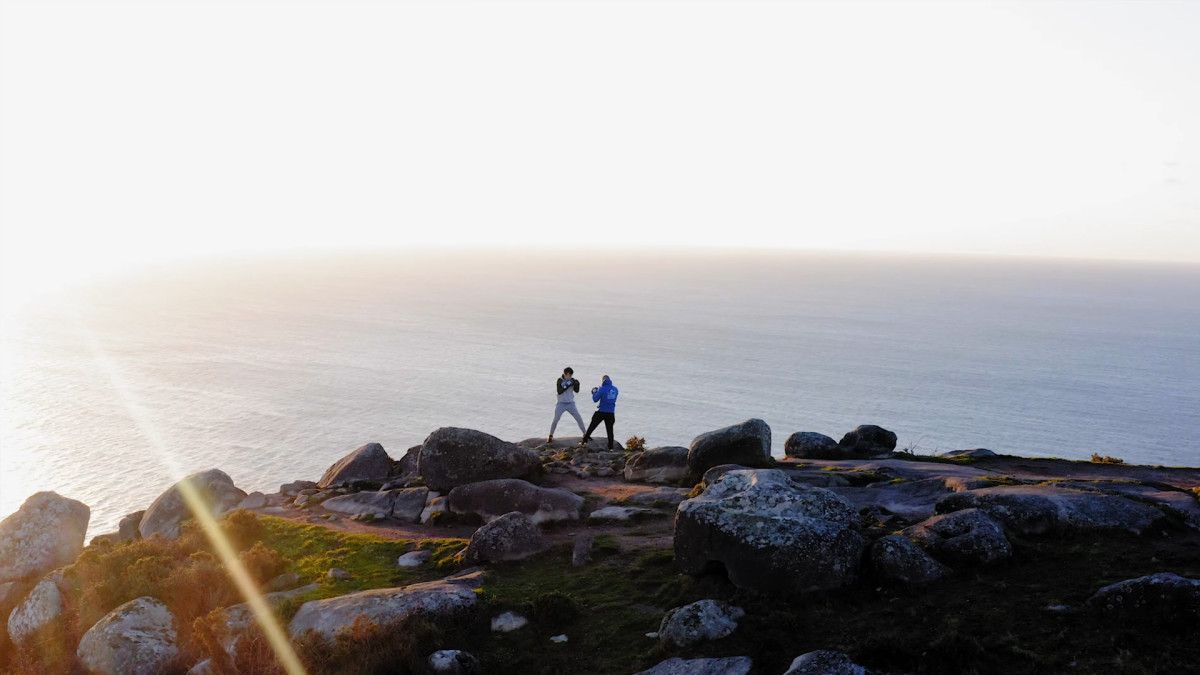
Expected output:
{"points": [[272, 369]]}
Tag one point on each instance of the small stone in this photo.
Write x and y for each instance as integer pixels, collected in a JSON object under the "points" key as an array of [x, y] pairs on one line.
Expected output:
{"points": [[414, 559], [453, 662], [559, 638], [338, 574], [508, 622], [581, 554]]}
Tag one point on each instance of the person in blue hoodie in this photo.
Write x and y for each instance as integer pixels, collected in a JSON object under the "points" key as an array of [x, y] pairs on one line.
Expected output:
{"points": [[606, 396]]}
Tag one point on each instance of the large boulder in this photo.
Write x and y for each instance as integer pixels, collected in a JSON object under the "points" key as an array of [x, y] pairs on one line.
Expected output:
{"points": [[1163, 598], [512, 536], [968, 537], [1039, 509], [404, 504], [214, 488], [748, 444], [867, 440], [658, 465], [137, 638], [770, 533], [702, 620], [491, 499], [39, 609], [447, 599], [369, 462], [452, 456], [897, 560], [812, 445], [45, 533], [824, 662], [127, 528], [731, 665]]}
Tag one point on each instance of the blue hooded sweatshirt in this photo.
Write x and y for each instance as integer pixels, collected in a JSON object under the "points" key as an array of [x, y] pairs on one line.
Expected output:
{"points": [[606, 396]]}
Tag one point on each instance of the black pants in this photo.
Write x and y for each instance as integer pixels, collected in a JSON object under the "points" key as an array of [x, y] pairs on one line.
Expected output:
{"points": [[597, 418]]}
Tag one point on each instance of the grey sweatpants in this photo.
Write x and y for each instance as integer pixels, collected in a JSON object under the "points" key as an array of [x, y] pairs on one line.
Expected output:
{"points": [[559, 409]]}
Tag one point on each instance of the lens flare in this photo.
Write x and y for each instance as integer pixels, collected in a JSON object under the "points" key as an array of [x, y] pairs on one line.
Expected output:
{"points": [[249, 591]]}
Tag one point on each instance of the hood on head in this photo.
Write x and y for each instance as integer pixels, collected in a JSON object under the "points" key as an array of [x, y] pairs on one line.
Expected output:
{"points": [[606, 379]]}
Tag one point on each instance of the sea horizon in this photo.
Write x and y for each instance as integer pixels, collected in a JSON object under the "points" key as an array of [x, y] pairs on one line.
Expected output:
{"points": [[272, 367]]}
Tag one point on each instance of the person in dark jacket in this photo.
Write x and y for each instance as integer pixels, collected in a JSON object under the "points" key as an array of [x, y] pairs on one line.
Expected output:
{"points": [[606, 411], [566, 387]]}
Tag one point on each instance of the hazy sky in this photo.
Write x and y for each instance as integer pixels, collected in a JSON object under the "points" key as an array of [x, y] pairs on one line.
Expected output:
{"points": [[149, 131]]}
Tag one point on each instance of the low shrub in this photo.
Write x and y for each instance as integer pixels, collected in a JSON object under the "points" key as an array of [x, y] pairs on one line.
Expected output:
{"points": [[635, 444], [1097, 458]]}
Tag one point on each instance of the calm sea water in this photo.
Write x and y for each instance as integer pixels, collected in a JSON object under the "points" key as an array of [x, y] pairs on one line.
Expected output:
{"points": [[271, 370]]}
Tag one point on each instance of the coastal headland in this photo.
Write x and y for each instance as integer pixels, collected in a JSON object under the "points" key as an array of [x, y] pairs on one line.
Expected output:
{"points": [[472, 554]]}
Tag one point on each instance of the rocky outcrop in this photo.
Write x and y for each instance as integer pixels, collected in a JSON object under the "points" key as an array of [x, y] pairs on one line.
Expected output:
{"points": [[137, 638], [824, 662], [448, 599], [1163, 598], [45, 532], [1039, 509], [491, 499], [452, 456], [867, 440], [968, 537], [700, 621], [453, 662], [215, 490], [667, 465], [812, 445], [39, 609], [747, 444], [897, 560], [512, 536], [369, 462], [619, 514], [732, 665], [293, 488], [973, 453], [404, 504], [770, 533]]}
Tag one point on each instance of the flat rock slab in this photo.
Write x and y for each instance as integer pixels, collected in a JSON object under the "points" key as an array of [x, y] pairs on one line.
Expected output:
{"points": [[382, 606], [1039, 509], [491, 499], [912, 500], [404, 504], [663, 496], [732, 665], [619, 513], [824, 662]]}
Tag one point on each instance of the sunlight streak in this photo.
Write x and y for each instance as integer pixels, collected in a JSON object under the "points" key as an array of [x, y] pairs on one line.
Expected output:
{"points": [[245, 584]]}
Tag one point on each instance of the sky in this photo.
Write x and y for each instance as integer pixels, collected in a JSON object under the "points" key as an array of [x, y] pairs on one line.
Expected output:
{"points": [[134, 133]]}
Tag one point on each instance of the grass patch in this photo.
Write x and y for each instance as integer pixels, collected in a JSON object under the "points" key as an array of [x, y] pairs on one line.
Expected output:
{"points": [[370, 559]]}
